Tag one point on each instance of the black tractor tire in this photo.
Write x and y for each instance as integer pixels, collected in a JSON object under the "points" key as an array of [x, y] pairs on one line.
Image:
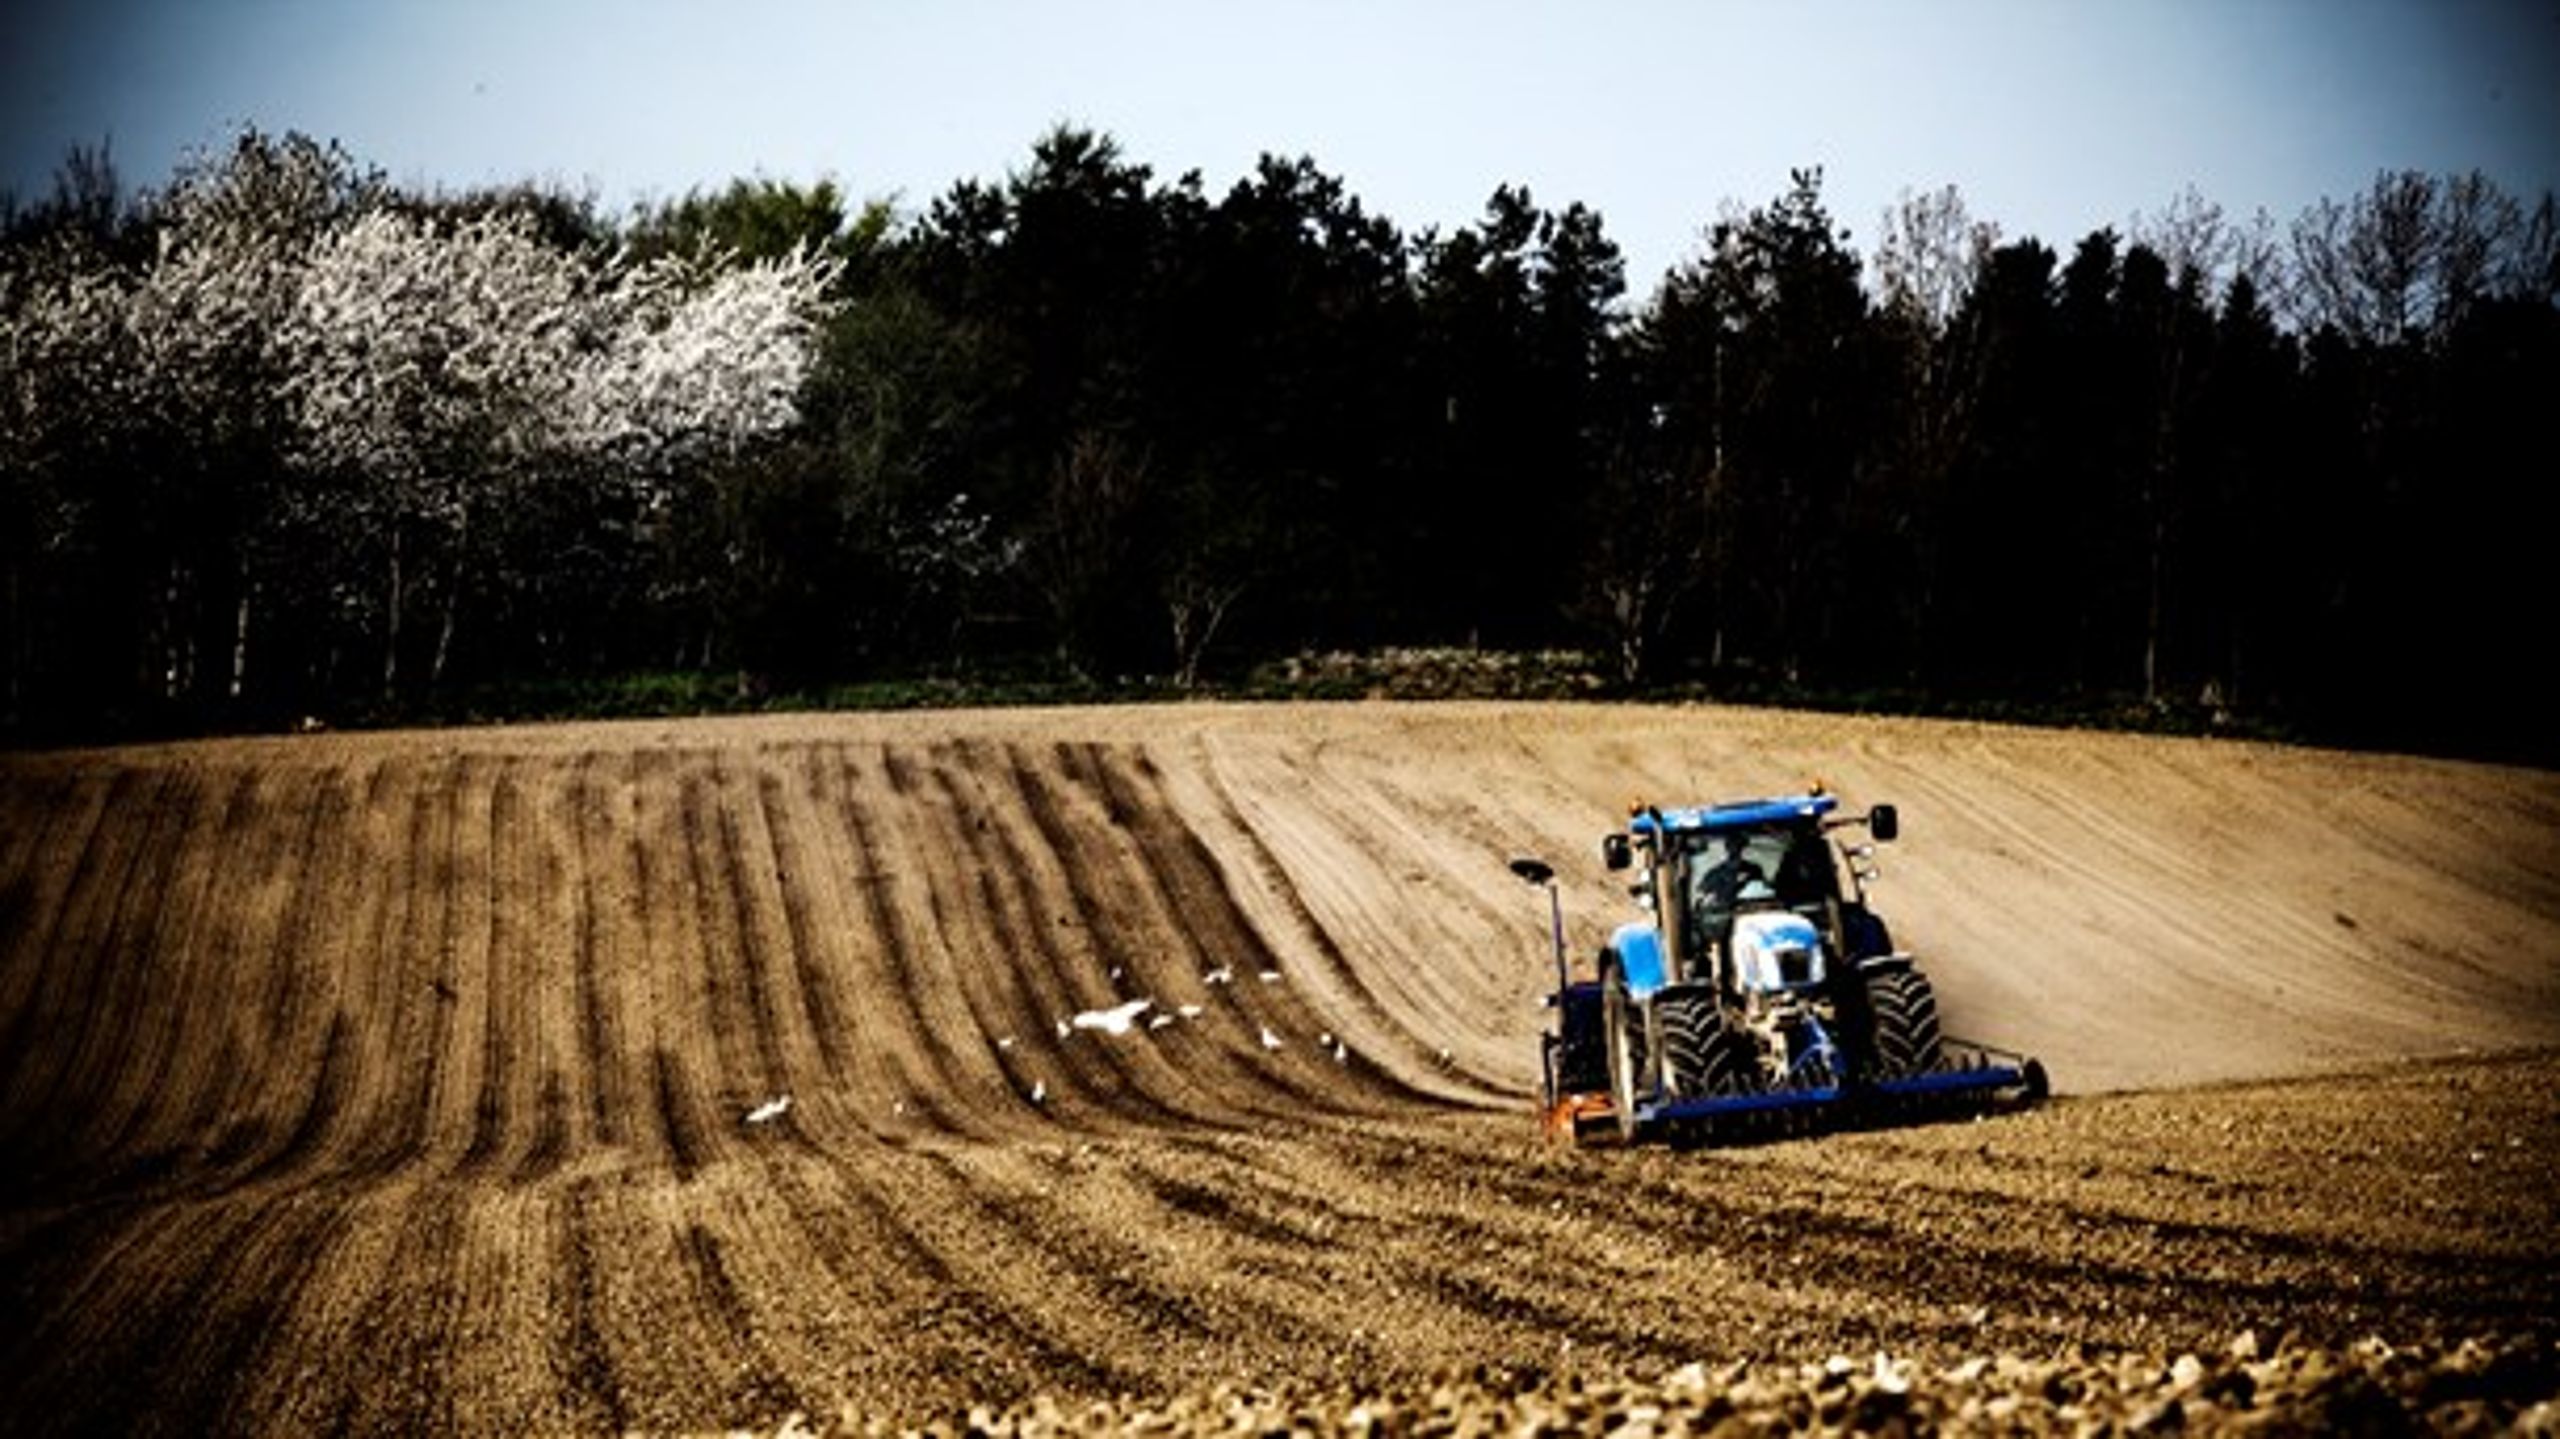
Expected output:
{"points": [[1702, 1055], [1622, 1039], [1905, 1008]]}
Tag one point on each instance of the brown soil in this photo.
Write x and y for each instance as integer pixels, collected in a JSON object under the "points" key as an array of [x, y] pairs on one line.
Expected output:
{"points": [[403, 1081]]}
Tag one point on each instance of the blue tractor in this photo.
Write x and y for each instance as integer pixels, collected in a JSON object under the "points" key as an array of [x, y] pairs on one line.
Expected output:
{"points": [[1758, 992]]}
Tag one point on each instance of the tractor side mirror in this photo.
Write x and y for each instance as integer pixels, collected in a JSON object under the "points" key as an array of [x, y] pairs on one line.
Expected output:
{"points": [[1535, 871], [1883, 823], [1614, 852]]}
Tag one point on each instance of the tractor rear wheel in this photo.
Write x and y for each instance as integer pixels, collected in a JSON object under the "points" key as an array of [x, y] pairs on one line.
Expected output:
{"points": [[1907, 1041], [1621, 1041], [1705, 1057]]}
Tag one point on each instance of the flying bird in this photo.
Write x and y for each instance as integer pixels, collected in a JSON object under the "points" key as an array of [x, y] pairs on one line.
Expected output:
{"points": [[1116, 1019]]}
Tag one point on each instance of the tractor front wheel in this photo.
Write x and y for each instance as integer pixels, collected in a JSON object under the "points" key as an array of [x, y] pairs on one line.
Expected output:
{"points": [[1907, 1041], [1704, 1055]]}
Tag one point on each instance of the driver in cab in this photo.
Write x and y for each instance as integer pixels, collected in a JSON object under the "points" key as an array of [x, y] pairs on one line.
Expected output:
{"points": [[1717, 888]]}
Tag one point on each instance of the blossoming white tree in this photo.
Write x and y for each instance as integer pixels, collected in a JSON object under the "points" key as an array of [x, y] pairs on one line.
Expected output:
{"points": [[66, 373], [431, 361], [140, 411], [702, 356], [66, 384], [233, 237], [443, 363], [278, 388]]}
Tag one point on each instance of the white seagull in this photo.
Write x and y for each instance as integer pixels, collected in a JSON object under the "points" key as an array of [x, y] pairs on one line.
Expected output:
{"points": [[1116, 1019]]}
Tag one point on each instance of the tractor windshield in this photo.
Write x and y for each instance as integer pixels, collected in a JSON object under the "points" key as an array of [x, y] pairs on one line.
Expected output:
{"points": [[1732, 870]]}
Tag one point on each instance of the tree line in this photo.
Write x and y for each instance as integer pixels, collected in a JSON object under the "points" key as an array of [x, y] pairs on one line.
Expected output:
{"points": [[281, 438]]}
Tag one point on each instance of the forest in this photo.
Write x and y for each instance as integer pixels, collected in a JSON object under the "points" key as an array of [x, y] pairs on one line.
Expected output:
{"points": [[282, 442]]}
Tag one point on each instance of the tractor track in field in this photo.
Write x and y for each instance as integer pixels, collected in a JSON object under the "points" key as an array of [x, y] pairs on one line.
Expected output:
{"points": [[401, 1082]]}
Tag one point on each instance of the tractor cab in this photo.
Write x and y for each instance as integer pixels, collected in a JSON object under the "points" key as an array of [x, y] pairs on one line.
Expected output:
{"points": [[1767, 870], [1723, 875]]}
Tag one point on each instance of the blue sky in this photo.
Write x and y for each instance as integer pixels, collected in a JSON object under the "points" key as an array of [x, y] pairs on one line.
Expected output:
{"points": [[2052, 116]]}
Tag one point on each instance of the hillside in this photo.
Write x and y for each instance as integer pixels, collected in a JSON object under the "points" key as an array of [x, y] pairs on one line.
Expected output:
{"points": [[405, 1078]]}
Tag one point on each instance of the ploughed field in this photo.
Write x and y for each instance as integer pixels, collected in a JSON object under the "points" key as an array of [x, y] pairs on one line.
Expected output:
{"points": [[695, 1074]]}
